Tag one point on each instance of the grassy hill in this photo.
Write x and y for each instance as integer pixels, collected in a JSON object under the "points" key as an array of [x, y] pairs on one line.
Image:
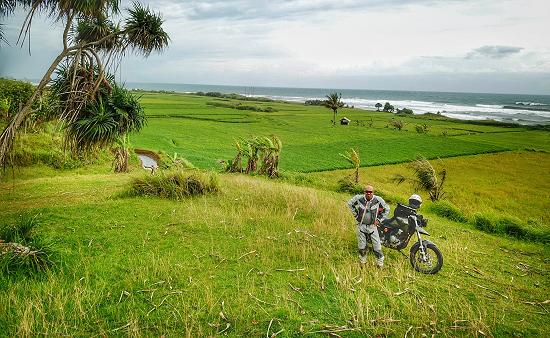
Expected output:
{"points": [[277, 257], [260, 255]]}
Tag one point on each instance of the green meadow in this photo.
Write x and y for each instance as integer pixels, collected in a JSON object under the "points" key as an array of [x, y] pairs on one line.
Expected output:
{"points": [[277, 257], [202, 133]]}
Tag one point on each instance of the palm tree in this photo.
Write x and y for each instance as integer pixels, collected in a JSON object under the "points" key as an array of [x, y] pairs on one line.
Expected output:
{"points": [[426, 178], [378, 105], [334, 101], [91, 44], [353, 157]]}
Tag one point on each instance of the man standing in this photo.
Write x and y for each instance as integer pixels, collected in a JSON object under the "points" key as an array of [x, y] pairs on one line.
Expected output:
{"points": [[365, 209]]}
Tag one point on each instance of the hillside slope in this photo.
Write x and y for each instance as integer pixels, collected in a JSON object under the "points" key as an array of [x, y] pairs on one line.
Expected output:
{"points": [[260, 258]]}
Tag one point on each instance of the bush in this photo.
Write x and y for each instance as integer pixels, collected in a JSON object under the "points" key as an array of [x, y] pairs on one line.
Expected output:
{"points": [[422, 129], [176, 184], [20, 250], [484, 223], [447, 210], [166, 161], [296, 178], [512, 227], [397, 124], [15, 93], [347, 184], [405, 111], [314, 102]]}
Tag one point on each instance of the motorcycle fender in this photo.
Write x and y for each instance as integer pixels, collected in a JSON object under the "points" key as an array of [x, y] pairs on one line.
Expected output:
{"points": [[422, 231]]}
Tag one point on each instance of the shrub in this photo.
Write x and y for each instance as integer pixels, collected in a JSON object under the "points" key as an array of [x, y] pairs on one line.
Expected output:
{"points": [[512, 227], [484, 223], [16, 93], [20, 250], [176, 184], [447, 210], [171, 162], [347, 184], [314, 102], [397, 124], [405, 111], [296, 178], [422, 129]]}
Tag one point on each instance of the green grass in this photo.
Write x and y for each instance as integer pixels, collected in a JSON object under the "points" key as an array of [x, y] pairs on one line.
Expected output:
{"points": [[145, 266], [261, 256], [188, 125], [514, 184]]}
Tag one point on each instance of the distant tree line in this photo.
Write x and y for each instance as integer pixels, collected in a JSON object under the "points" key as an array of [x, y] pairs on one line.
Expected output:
{"points": [[241, 106]]}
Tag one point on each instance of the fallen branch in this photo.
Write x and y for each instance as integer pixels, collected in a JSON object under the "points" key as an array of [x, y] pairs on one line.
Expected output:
{"points": [[291, 270], [541, 304], [402, 292], [343, 329], [384, 320], [495, 291], [246, 254], [227, 325], [259, 300], [295, 289]]}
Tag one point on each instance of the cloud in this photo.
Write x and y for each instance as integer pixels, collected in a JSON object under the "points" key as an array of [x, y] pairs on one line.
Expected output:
{"points": [[264, 9], [494, 52]]}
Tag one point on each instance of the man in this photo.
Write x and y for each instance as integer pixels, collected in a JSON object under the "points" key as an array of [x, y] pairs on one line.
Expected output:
{"points": [[365, 209]]}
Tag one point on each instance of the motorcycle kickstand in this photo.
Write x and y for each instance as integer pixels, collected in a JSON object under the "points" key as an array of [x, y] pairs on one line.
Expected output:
{"points": [[403, 253]]}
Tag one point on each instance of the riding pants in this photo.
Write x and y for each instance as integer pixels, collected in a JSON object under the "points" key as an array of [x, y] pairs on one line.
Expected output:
{"points": [[365, 233]]}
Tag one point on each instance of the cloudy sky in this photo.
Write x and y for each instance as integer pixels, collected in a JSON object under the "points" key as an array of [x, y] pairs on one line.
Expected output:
{"points": [[497, 46]]}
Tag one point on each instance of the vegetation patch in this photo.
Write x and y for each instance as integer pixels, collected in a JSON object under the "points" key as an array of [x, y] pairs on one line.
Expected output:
{"points": [[176, 184], [21, 250], [234, 96], [447, 210], [510, 226], [240, 106]]}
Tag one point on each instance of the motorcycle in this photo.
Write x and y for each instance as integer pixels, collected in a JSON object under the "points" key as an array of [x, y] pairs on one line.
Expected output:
{"points": [[396, 232]]}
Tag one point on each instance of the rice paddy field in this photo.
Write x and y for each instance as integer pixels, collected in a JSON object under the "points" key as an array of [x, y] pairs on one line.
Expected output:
{"points": [[277, 257]]}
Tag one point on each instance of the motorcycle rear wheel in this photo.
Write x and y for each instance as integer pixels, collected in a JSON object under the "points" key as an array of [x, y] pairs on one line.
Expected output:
{"points": [[432, 262]]}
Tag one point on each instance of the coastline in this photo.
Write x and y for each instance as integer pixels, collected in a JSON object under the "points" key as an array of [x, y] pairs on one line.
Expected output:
{"points": [[508, 108]]}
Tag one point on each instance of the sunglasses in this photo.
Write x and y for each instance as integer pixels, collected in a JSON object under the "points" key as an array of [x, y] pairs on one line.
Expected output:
{"points": [[368, 192]]}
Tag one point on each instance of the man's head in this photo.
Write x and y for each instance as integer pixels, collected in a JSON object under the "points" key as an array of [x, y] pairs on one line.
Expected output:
{"points": [[369, 192]]}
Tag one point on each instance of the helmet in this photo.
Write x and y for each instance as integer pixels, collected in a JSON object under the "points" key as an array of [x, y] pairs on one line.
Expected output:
{"points": [[415, 201]]}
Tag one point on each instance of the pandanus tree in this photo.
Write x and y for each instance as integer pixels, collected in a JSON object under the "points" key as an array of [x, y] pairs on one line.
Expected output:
{"points": [[334, 101], [426, 178], [92, 44]]}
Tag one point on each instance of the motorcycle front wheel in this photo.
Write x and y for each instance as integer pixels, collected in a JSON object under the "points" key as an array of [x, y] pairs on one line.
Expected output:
{"points": [[429, 263]]}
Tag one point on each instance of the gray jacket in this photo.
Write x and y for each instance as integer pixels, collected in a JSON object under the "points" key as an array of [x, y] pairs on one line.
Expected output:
{"points": [[358, 204]]}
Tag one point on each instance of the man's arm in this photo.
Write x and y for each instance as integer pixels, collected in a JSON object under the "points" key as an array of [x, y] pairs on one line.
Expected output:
{"points": [[385, 206], [351, 205]]}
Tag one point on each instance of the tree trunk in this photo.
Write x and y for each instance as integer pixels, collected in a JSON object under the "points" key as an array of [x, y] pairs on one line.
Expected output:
{"points": [[334, 118], [121, 160]]}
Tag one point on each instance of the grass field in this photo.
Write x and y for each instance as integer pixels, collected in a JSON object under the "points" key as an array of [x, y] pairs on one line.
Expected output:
{"points": [[262, 253], [204, 134], [266, 258]]}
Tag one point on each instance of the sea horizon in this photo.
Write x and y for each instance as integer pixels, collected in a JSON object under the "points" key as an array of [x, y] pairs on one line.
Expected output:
{"points": [[527, 109]]}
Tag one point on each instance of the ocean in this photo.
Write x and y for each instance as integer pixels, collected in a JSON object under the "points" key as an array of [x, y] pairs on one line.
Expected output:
{"points": [[515, 108]]}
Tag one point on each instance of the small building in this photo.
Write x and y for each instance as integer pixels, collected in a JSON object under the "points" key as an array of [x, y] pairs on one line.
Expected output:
{"points": [[344, 121]]}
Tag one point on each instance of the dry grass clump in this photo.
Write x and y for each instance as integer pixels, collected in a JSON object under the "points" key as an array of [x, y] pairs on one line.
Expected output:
{"points": [[21, 250], [176, 184]]}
